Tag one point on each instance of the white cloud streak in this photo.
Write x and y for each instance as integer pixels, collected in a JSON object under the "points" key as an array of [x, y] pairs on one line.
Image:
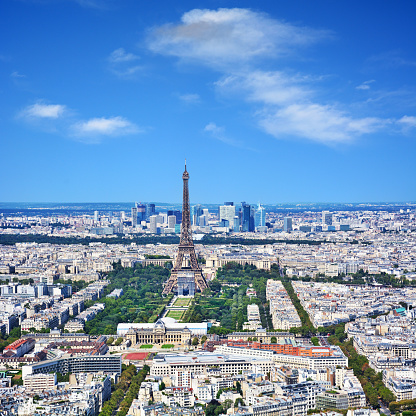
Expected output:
{"points": [[39, 111], [225, 37], [120, 55], [58, 118], [123, 63], [218, 132], [112, 126], [365, 85], [17, 75], [323, 124], [235, 42], [190, 98]]}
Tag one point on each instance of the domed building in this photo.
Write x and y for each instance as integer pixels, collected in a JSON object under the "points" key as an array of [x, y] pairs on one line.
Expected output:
{"points": [[158, 334]]}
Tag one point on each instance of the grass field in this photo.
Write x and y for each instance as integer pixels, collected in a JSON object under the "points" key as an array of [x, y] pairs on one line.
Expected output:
{"points": [[175, 314], [146, 346], [182, 302], [167, 346]]}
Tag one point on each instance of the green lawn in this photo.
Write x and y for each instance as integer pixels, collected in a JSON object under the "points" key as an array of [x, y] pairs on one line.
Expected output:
{"points": [[167, 346], [182, 302], [146, 346], [175, 314]]}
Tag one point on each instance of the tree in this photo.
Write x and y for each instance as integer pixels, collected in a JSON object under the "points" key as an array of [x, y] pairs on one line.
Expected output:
{"points": [[227, 404], [195, 342], [273, 340], [162, 386], [213, 405], [315, 341], [203, 339], [239, 402]]}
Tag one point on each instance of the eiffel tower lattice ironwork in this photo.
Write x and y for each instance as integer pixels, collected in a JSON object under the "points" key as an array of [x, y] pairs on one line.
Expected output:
{"points": [[186, 260]]}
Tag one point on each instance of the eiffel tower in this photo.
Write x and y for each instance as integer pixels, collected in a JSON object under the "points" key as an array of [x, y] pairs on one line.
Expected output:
{"points": [[186, 266]]}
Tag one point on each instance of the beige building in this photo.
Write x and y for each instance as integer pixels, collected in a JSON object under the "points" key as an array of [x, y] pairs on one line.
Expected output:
{"points": [[260, 335], [38, 383], [159, 334]]}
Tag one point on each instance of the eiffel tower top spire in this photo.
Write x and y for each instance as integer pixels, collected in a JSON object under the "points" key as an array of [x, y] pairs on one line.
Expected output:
{"points": [[186, 232]]}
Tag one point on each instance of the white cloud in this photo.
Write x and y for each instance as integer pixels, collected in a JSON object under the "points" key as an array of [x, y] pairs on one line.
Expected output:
{"points": [[16, 75], [365, 85], [120, 55], [112, 126], [320, 123], [236, 42], [218, 133], [190, 98], [409, 121], [39, 110], [271, 87], [122, 63], [229, 36]]}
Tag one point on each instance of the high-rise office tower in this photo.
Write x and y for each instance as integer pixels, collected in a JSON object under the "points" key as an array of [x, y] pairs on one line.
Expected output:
{"points": [[96, 218], [247, 218], [287, 224], [171, 221], [134, 216], [186, 274], [153, 224], [150, 210], [236, 226], [141, 212], [326, 218], [197, 212], [227, 212], [260, 217], [122, 215], [177, 213], [203, 221]]}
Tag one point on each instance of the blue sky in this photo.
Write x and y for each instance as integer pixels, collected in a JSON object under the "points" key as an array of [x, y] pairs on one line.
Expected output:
{"points": [[270, 101]]}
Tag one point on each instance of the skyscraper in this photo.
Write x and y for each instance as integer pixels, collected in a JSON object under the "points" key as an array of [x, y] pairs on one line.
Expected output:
{"points": [[134, 216], [150, 210], [96, 218], [153, 224], [247, 217], [287, 224], [236, 227], [260, 216], [197, 212], [141, 212], [326, 218], [177, 214], [171, 221], [227, 212]]}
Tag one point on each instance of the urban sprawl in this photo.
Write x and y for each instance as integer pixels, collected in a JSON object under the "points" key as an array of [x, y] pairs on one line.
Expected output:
{"points": [[305, 312]]}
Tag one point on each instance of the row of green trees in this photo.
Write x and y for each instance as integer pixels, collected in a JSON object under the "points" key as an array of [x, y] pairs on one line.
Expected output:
{"points": [[307, 327], [141, 301], [371, 381], [11, 239], [133, 391], [120, 390]]}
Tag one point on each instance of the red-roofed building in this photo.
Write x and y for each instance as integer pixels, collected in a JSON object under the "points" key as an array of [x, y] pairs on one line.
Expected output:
{"points": [[20, 347]]}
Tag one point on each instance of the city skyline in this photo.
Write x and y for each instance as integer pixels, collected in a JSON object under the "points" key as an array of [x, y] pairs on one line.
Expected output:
{"points": [[277, 103]]}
